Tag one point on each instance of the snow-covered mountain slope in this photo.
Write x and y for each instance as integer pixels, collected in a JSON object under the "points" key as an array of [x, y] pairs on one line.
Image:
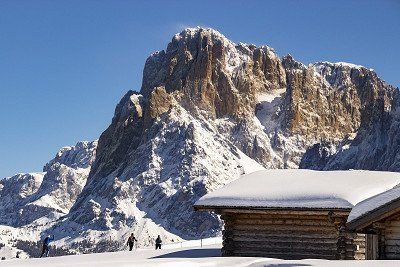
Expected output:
{"points": [[208, 111], [179, 160], [25, 198], [30, 203], [15, 191]]}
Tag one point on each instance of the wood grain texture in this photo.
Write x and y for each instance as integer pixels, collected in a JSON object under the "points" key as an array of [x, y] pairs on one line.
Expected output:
{"points": [[290, 235]]}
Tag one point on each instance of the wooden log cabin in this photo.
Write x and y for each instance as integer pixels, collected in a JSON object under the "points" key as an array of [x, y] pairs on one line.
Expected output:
{"points": [[294, 214], [379, 219]]}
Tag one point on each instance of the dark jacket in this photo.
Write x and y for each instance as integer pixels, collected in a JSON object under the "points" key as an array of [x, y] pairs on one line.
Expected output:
{"points": [[131, 239], [47, 240]]}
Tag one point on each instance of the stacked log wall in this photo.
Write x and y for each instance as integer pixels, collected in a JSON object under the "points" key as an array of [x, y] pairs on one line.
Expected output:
{"points": [[391, 239], [288, 236]]}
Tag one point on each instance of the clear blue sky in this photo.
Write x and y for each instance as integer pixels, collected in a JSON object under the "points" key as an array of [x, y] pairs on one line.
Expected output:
{"points": [[64, 65]]}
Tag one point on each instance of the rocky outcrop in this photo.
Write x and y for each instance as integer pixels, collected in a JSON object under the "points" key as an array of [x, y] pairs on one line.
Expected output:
{"points": [[206, 71], [123, 133], [25, 198], [372, 107], [15, 191]]}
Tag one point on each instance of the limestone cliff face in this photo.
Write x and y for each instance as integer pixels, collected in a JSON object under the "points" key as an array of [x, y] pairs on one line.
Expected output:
{"points": [[210, 110], [372, 112], [328, 100], [206, 71]]}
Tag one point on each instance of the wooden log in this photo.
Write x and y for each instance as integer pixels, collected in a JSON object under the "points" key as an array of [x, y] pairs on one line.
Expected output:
{"points": [[392, 242], [284, 228], [392, 229], [350, 242], [361, 250], [392, 249], [309, 250], [354, 256], [281, 233], [392, 256], [287, 239], [285, 255], [358, 257], [340, 213], [269, 222], [358, 240], [273, 216], [392, 224], [283, 246], [284, 243], [392, 236], [321, 217]]}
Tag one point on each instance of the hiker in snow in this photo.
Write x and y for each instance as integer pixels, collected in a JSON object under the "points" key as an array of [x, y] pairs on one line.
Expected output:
{"points": [[131, 241], [158, 242], [46, 242]]}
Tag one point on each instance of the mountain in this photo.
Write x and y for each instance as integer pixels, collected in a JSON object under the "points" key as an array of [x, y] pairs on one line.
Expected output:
{"points": [[208, 111], [32, 202]]}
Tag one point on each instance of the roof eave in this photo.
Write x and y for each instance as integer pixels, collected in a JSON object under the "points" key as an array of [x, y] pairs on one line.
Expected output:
{"points": [[219, 208], [380, 213]]}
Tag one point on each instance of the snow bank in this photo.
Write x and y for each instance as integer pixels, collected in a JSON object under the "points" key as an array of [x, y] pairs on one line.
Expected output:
{"points": [[197, 257], [297, 188], [374, 203]]}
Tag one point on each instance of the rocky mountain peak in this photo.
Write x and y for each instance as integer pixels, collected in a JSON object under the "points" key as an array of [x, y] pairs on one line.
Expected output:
{"points": [[200, 32], [79, 156], [291, 64], [202, 69]]}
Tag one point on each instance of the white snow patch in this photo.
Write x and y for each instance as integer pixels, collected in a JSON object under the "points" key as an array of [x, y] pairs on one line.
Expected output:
{"points": [[270, 96], [249, 165], [338, 64], [268, 109], [49, 202], [346, 64], [346, 146]]}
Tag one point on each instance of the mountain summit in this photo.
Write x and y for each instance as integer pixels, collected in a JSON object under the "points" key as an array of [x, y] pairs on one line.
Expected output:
{"points": [[210, 110]]}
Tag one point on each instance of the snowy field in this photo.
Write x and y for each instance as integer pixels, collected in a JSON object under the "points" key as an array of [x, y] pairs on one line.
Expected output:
{"points": [[205, 256]]}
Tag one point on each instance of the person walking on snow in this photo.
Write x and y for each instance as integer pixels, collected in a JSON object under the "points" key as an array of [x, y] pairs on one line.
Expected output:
{"points": [[46, 242], [131, 241], [158, 242]]}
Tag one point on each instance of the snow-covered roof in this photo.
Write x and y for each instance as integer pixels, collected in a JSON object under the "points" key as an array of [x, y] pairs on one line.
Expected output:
{"points": [[374, 203], [299, 188]]}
